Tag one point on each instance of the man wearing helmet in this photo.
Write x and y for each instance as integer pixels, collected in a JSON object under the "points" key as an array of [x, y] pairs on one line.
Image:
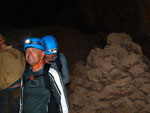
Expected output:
{"points": [[41, 92], [56, 59], [12, 67]]}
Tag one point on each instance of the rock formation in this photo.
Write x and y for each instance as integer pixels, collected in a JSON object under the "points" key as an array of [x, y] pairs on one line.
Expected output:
{"points": [[115, 79]]}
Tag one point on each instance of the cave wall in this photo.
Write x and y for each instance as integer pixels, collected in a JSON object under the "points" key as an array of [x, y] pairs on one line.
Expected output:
{"points": [[87, 16], [103, 15], [85, 13]]}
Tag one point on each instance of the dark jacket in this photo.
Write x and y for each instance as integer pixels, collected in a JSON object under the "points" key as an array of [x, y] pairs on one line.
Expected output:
{"points": [[60, 64], [37, 93]]}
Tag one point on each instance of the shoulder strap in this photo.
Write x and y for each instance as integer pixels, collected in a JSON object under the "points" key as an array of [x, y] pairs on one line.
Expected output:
{"points": [[53, 106], [46, 77]]}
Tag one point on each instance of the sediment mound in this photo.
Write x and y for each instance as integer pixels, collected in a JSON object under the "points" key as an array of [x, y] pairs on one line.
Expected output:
{"points": [[115, 79]]}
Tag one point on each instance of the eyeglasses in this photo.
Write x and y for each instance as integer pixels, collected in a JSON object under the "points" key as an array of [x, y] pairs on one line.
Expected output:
{"points": [[28, 41], [54, 50]]}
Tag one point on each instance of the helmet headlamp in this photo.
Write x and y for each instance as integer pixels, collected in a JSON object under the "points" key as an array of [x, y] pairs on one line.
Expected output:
{"points": [[54, 50], [34, 43], [28, 41]]}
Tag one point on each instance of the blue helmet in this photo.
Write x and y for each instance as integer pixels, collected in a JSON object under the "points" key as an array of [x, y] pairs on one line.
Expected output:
{"points": [[35, 43], [51, 46]]}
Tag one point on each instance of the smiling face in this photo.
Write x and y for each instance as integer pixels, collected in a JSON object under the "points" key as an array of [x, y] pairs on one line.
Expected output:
{"points": [[33, 56]]}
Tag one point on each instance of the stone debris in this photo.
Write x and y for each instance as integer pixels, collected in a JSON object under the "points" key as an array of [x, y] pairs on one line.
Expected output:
{"points": [[115, 79]]}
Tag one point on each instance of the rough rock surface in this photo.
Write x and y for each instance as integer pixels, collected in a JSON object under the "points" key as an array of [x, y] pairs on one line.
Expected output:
{"points": [[115, 79]]}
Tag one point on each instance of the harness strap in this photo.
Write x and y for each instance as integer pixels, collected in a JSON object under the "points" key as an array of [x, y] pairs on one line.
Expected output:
{"points": [[53, 106]]}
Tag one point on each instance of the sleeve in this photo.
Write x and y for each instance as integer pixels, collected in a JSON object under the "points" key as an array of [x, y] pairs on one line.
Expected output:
{"points": [[65, 69]]}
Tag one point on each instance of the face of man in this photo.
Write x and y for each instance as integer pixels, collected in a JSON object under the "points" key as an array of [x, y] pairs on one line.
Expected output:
{"points": [[50, 57], [33, 55]]}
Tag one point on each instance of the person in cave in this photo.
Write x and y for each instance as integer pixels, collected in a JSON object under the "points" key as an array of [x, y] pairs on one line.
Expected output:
{"points": [[11, 70], [56, 59], [42, 88]]}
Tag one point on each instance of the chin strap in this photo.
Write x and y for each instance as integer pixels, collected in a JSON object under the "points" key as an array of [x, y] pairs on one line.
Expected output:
{"points": [[37, 65], [47, 62]]}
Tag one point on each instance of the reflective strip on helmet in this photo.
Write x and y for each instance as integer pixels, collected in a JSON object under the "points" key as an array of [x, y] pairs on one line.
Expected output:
{"points": [[54, 50]]}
